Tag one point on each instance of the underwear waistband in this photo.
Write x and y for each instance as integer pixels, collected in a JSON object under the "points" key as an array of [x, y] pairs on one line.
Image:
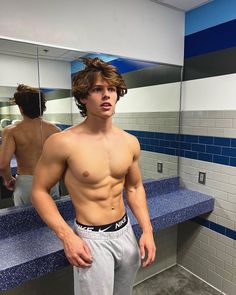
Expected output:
{"points": [[111, 227]]}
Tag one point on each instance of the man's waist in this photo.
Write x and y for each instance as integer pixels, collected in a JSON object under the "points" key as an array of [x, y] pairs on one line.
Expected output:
{"points": [[108, 227]]}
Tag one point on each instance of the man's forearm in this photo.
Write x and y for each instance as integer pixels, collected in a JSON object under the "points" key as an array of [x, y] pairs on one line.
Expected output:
{"points": [[48, 211], [5, 172]]}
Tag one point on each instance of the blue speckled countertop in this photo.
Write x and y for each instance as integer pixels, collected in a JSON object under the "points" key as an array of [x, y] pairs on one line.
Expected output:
{"points": [[29, 249]]}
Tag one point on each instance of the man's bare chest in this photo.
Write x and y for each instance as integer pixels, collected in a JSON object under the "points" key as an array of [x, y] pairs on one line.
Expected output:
{"points": [[93, 163]]}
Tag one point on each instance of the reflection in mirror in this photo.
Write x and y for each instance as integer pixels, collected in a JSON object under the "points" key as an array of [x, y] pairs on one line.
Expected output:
{"points": [[18, 65], [55, 83]]}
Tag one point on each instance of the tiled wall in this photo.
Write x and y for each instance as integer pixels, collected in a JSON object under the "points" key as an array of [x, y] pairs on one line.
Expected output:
{"points": [[213, 136], [209, 255], [208, 249], [207, 246], [153, 131]]}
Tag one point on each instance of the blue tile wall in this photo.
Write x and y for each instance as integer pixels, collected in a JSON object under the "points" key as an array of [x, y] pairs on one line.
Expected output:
{"points": [[216, 227], [219, 150]]}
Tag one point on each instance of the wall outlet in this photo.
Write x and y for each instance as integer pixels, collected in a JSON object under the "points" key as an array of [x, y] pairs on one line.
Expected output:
{"points": [[202, 177], [159, 167]]}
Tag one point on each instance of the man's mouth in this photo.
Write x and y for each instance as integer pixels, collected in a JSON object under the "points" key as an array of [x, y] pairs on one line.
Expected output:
{"points": [[106, 104]]}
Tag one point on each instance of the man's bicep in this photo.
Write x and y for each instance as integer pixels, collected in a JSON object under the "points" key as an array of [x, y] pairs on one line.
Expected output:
{"points": [[7, 148], [133, 177]]}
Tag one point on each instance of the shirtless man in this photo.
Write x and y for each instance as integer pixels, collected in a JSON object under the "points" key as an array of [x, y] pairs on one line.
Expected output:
{"points": [[97, 160], [25, 141]]}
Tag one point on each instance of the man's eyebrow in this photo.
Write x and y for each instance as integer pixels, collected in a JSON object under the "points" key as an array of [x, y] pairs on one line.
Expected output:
{"points": [[100, 85]]}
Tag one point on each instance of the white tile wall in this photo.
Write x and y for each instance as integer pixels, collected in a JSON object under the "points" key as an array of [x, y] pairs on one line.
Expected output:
{"points": [[208, 254]]}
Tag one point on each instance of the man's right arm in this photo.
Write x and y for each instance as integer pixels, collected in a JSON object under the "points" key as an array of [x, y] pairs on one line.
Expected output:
{"points": [[6, 153], [49, 170]]}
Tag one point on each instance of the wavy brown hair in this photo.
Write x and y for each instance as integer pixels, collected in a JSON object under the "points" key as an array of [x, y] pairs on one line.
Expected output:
{"points": [[85, 79], [31, 100]]}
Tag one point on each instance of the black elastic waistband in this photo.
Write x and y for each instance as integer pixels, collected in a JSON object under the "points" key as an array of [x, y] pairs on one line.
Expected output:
{"points": [[114, 226]]}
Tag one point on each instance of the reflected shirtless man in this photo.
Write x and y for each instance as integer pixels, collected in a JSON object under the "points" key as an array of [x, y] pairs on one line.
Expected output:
{"points": [[97, 160], [25, 140]]}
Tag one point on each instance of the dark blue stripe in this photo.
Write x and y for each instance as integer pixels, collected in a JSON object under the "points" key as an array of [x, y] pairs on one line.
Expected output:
{"points": [[215, 227], [218, 150], [212, 39], [63, 126]]}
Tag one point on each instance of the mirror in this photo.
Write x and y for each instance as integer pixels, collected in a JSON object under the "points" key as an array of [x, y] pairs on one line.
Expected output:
{"points": [[150, 109], [18, 63]]}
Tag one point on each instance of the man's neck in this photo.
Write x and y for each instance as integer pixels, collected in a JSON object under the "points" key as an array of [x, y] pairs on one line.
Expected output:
{"points": [[98, 125], [26, 118]]}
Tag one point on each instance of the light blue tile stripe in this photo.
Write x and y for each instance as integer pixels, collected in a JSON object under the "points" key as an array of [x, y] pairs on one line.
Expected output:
{"points": [[209, 15]]}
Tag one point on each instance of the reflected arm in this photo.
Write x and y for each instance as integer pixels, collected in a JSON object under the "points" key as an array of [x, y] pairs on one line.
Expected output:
{"points": [[6, 154]]}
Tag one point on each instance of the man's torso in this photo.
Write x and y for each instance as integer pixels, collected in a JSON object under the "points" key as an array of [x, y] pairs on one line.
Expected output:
{"points": [[29, 137], [95, 174]]}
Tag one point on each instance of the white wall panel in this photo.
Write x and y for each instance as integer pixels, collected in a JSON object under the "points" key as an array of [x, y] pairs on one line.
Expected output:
{"points": [[214, 93], [133, 28], [55, 74], [157, 98], [16, 70], [59, 106]]}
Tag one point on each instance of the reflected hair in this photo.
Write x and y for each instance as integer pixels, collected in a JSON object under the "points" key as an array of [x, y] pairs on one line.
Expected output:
{"points": [[85, 79], [31, 100]]}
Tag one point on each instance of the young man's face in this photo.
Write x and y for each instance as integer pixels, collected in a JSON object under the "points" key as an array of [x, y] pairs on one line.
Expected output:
{"points": [[102, 99]]}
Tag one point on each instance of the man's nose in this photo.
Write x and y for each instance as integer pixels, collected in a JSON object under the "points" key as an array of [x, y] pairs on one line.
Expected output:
{"points": [[106, 94]]}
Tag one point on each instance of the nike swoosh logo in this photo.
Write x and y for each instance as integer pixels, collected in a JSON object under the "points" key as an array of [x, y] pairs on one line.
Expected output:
{"points": [[105, 229]]}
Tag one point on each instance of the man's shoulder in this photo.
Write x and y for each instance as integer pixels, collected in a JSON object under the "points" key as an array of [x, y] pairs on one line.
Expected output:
{"points": [[51, 125], [9, 130], [129, 137], [62, 137]]}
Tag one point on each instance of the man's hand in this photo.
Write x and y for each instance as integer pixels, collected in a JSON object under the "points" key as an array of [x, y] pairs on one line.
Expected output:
{"points": [[147, 244], [77, 252], [10, 184]]}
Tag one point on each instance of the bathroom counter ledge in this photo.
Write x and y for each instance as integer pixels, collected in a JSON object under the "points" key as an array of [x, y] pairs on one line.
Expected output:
{"points": [[29, 253]]}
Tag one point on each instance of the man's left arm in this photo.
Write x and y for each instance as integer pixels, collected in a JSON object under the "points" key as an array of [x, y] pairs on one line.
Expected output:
{"points": [[136, 199], [6, 153]]}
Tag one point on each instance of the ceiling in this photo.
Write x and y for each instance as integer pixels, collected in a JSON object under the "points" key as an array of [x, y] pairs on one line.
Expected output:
{"points": [[184, 5], [28, 50]]}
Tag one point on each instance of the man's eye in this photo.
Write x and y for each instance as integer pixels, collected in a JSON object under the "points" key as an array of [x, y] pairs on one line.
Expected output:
{"points": [[112, 89], [97, 89]]}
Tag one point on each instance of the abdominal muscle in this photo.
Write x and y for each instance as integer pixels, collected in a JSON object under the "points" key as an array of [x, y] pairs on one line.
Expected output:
{"points": [[98, 204]]}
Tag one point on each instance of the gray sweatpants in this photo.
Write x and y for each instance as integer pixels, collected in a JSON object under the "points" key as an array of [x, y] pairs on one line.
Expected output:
{"points": [[23, 187], [116, 260]]}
